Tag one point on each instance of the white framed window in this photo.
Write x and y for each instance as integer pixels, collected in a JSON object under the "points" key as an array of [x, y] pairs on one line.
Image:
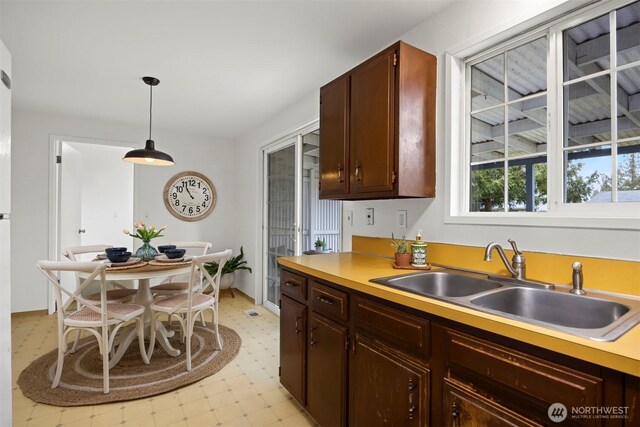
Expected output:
{"points": [[533, 142]]}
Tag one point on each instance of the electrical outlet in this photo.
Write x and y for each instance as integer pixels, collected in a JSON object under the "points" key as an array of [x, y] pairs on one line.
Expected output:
{"points": [[402, 219], [349, 217], [369, 216]]}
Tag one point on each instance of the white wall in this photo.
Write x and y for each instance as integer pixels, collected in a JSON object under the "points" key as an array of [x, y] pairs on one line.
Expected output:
{"points": [[30, 188], [460, 25]]}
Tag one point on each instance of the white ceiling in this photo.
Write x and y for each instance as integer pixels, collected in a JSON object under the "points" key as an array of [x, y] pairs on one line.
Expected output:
{"points": [[224, 66]]}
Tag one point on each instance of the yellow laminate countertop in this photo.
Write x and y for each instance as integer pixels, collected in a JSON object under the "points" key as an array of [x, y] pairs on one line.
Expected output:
{"points": [[354, 270]]}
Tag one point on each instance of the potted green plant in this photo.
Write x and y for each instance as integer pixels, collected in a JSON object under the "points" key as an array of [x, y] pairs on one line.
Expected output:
{"points": [[229, 270], [320, 245], [403, 257]]}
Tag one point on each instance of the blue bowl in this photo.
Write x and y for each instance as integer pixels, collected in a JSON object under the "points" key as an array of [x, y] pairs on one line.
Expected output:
{"points": [[119, 256], [163, 248], [174, 253], [115, 250]]}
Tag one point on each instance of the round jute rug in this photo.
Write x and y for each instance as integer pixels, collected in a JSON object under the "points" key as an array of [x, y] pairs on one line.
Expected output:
{"points": [[81, 381]]}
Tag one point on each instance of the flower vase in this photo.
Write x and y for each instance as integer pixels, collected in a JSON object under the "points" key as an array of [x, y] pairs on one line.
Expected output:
{"points": [[146, 252]]}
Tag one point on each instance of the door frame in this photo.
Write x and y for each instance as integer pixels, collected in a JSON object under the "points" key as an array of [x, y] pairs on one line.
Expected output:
{"points": [[55, 193], [263, 149]]}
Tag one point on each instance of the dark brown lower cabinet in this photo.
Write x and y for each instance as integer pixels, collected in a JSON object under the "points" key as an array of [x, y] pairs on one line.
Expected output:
{"points": [[293, 326], [327, 371], [387, 387], [464, 407], [365, 362]]}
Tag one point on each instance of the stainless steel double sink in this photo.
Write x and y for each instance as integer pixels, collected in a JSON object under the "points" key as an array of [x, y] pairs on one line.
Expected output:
{"points": [[597, 316]]}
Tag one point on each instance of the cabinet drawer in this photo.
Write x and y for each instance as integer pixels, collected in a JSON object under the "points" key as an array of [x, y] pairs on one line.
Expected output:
{"points": [[409, 332], [293, 285], [534, 377], [330, 302]]}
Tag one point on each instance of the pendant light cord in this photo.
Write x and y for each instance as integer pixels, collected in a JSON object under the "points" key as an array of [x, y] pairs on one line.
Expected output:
{"points": [[150, 108]]}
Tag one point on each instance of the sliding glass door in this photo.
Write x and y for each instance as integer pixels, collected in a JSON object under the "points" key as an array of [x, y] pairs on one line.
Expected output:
{"points": [[293, 217], [282, 191]]}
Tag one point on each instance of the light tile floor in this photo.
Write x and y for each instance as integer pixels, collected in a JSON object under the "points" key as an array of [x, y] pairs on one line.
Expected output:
{"points": [[246, 392]]}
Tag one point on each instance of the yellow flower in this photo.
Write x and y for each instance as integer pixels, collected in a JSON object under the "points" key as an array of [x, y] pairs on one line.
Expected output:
{"points": [[153, 227], [125, 231]]}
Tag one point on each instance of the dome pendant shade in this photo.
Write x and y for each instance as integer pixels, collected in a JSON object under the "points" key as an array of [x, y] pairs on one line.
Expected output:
{"points": [[149, 155]]}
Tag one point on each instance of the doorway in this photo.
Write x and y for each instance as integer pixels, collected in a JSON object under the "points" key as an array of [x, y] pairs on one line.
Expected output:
{"points": [[293, 216], [93, 197]]}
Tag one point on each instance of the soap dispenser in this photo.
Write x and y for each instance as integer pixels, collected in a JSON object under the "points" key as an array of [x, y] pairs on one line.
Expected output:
{"points": [[419, 251]]}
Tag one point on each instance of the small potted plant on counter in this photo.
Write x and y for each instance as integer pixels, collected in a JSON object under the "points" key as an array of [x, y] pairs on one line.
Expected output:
{"points": [[320, 245], [229, 270], [403, 257]]}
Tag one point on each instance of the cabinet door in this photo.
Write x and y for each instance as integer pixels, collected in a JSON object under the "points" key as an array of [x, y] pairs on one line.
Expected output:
{"points": [[372, 127], [387, 387], [465, 408], [327, 371], [293, 320], [334, 135]]}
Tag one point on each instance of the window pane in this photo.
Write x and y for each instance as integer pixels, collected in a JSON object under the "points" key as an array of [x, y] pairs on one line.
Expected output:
{"points": [[588, 175], [487, 188], [540, 190], [628, 28], [629, 172], [527, 69], [487, 83], [629, 99], [528, 127], [588, 112], [517, 189], [487, 135], [586, 48], [528, 185]]}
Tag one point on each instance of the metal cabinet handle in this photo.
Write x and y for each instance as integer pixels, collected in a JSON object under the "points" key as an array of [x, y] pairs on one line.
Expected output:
{"points": [[325, 300], [455, 414], [291, 284], [412, 407], [298, 318], [358, 177], [313, 341], [412, 411], [340, 177]]}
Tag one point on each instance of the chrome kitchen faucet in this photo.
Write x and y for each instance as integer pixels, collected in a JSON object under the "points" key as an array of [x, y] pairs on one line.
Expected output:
{"points": [[517, 268]]}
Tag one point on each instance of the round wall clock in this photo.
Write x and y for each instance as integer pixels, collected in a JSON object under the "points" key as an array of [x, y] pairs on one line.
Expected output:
{"points": [[190, 196]]}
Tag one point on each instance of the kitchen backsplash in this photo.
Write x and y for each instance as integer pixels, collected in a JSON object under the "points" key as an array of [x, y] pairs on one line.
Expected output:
{"points": [[599, 273]]}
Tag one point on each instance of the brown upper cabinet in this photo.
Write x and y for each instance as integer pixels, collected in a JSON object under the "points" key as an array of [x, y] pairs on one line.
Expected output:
{"points": [[377, 128]]}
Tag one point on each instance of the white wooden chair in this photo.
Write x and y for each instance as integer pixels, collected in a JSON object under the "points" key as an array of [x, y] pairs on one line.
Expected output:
{"points": [[188, 305], [120, 294], [179, 284], [101, 319]]}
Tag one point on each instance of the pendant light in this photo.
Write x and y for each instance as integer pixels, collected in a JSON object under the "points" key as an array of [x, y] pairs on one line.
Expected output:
{"points": [[149, 155]]}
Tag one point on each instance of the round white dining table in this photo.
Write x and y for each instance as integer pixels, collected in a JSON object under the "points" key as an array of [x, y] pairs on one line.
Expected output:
{"points": [[144, 297]]}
